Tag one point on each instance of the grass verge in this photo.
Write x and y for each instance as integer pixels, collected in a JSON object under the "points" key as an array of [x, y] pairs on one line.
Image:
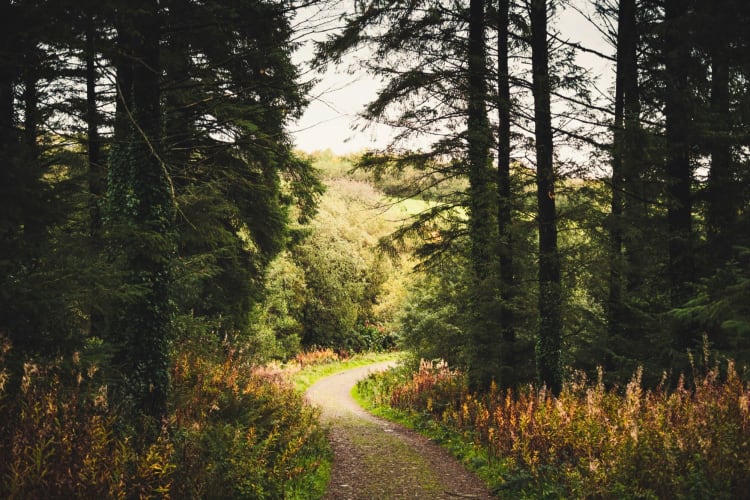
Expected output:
{"points": [[318, 479], [369, 393], [307, 376]]}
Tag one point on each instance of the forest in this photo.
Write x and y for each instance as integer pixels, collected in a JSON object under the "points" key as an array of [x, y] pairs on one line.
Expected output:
{"points": [[564, 257]]}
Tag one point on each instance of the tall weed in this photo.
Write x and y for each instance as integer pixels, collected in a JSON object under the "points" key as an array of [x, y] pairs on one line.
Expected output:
{"points": [[591, 442], [233, 431], [59, 440]]}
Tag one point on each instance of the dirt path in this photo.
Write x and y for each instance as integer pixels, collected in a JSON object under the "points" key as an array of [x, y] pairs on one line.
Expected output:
{"points": [[378, 460]]}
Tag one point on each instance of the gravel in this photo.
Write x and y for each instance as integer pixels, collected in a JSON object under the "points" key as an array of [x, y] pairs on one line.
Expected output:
{"points": [[377, 460]]}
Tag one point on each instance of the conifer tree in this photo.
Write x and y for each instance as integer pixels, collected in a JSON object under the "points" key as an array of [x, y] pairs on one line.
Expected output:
{"points": [[229, 89], [141, 213], [677, 105], [549, 342], [486, 330], [505, 204]]}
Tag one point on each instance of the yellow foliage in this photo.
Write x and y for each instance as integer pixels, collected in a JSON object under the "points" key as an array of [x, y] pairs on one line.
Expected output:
{"points": [[594, 441]]}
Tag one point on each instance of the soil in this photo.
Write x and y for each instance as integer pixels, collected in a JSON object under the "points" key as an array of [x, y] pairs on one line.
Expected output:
{"points": [[377, 460]]}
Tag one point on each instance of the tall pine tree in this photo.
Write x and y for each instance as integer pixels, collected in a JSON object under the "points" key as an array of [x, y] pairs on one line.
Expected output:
{"points": [[549, 342], [141, 213]]}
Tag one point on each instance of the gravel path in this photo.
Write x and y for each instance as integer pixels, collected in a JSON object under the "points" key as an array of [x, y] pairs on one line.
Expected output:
{"points": [[378, 460]]}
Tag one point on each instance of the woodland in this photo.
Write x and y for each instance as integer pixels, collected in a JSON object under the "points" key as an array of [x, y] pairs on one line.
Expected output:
{"points": [[568, 256]]}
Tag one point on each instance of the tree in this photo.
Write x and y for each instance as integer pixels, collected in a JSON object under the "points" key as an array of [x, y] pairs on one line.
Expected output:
{"points": [[723, 200], [486, 341], [35, 314], [504, 217], [677, 107], [550, 320], [96, 164], [141, 213], [229, 88], [8, 75], [627, 203], [438, 94]]}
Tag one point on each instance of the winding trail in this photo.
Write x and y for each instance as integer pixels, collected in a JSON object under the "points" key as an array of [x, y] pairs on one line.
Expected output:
{"points": [[378, 460]]}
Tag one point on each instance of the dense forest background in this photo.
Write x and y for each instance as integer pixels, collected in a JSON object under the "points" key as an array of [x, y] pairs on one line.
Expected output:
{"points": [[596, 223], [161, 239]]}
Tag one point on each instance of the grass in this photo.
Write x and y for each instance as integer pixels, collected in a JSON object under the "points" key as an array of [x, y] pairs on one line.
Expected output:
{"points": [[316, 482], [302, 380], [406, 207], [690, 441], [307, 376], [474, 458]]}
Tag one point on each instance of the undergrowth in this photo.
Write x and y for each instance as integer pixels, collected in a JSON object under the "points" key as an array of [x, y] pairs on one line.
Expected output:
{"points": [[590, 442], [305, 373], [232, 431]]}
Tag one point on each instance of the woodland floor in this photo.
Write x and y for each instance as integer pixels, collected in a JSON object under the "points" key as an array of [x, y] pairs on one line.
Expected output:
{"points": [[377, 460]]}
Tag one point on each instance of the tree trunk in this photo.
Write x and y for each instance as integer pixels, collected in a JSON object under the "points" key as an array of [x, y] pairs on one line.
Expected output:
{"points": [[482, 207], [550, 321], [140, 205], [96, 171], [635, 208], [677, 118], [7, 77], [626, 161], [9, 219], [479, 140], [721, 190], [33, 202], [614, 305], [505, 220]]}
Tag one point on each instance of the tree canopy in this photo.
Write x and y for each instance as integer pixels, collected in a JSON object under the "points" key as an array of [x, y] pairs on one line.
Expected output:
{"points": [[160, 234]]}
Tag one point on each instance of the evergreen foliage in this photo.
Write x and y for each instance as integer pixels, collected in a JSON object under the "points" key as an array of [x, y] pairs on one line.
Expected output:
{"points": [[148, 181], [673, 131], [158, 231]]}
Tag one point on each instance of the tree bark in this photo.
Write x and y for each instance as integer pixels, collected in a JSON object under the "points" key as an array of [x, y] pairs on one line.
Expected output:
{"points": [[479, 139], [626, 158], [614, 304], [7, 77], [482, 209], [505, 218], [33, 202], [721, 191], [140, 205], [9, 220], [634, 200], [679, 176], [96, 171], [549, 343]]}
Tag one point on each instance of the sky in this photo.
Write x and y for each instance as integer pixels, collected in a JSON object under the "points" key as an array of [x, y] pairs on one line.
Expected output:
{"points": [[330, 121]]}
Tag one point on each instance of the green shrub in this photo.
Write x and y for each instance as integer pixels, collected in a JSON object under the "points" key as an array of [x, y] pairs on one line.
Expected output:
{"points": [[59, 438], [240, 432], [591, 442], [233, 431]]}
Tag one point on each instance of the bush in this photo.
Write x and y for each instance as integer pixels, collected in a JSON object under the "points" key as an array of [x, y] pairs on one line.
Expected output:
{"points": [[59, 439], [316, 357], [233, 431], [592, 442], [240, 432], [276, 326]]}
